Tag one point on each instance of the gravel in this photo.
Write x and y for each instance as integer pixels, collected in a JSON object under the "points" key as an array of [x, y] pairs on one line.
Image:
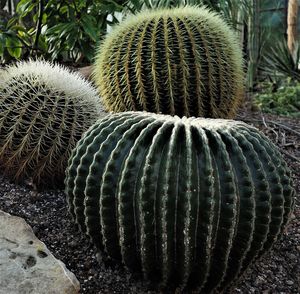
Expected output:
{"points": [[277, 272]]}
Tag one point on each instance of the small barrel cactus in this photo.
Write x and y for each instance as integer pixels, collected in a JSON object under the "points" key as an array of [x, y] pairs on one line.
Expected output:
{"points": [[190, 200], [44, 110], [183, 61]]}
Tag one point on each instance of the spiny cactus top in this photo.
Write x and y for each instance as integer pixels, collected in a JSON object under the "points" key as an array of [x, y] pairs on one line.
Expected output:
{"points": [[183, 61], [188, 201], [44, 109]]}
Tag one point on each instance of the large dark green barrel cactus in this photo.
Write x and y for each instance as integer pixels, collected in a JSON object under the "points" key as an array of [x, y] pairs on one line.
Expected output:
{"points": [[183, 61], [187, 201], [44, 110]]}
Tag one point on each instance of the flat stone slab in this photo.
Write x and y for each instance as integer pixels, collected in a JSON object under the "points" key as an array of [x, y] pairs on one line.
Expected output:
{"points": [[26, 265]]}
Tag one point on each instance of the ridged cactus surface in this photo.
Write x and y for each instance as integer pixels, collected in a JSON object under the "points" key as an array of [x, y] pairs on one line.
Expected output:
{"points": [[184, 61], [190, 201], [44, 110]]}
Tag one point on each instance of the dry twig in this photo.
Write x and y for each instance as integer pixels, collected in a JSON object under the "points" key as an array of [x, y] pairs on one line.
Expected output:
{"points": [[280, 125]]}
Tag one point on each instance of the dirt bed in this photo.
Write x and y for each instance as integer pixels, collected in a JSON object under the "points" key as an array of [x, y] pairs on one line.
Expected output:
{"points": [[277, 272]]}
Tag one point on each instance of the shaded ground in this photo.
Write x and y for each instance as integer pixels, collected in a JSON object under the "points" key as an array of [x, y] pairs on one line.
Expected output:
{"points": [[277, 272]]}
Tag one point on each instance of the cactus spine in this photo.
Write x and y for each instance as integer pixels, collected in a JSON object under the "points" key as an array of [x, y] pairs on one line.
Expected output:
{"points": [[44, 110], [186, 200], [183, 61]]}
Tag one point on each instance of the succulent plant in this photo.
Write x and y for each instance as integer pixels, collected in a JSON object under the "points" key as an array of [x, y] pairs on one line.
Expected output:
{"points": [[44, 110], [189, 200], [183, 61]]}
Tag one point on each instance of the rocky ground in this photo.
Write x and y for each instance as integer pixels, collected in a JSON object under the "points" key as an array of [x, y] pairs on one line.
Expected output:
{"points": [[277, 272]]}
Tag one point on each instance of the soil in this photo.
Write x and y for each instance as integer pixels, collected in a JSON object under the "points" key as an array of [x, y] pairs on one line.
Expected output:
{"points": [[277, 272]]}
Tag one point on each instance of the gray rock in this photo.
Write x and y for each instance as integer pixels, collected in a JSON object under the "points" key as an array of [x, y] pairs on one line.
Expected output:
{"points": [[26, 265]]}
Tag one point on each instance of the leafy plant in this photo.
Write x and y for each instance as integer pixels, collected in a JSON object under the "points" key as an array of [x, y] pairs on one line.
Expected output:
{"points": [[233, 11], [282, 100], [59, 30], [73, 28], [19, 37], [190, 202], [44, 109], [184, 61], [281, 61], [13, 38]]}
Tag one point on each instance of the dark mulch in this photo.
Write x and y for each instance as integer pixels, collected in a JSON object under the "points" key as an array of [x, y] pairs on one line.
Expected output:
{"points": [[277, 272]]}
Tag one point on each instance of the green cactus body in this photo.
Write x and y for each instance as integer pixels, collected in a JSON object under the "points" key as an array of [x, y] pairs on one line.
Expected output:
{"points": [[189, 200], [184, 61], [44, 110]]}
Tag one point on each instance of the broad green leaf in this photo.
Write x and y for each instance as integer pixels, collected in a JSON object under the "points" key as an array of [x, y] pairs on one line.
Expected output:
{"points": [[14, 47], [64, 9], [19, 28], [35, 17], [44, 18], [89, 26], [71, 40], [11, 22], [31, 31], [42, 43], [67, 29], [25, 6], [22, 6], [56, 29]]}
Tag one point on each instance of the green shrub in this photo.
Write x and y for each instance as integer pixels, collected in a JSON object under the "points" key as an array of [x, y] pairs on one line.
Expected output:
{"points": [[191, 202], [59, 30], [13, 38], [282, 101]]}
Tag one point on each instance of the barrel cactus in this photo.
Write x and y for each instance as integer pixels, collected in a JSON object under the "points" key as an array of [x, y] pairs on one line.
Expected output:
{"points": [[190, 200], [183, 61], [44, 110]]}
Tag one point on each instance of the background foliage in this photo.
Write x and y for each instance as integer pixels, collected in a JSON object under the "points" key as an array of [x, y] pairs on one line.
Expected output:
{"points": [[280, 97], [69, 30], [60, 30]]}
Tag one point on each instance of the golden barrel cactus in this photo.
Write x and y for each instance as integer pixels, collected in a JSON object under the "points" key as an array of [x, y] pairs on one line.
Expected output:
{"points": [[44, 109], [184, 61], [190, 202]]}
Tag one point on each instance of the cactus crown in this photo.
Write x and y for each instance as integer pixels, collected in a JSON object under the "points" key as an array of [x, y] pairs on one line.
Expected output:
{"points": [[44, 109], [187, 201], [183, 61]]}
